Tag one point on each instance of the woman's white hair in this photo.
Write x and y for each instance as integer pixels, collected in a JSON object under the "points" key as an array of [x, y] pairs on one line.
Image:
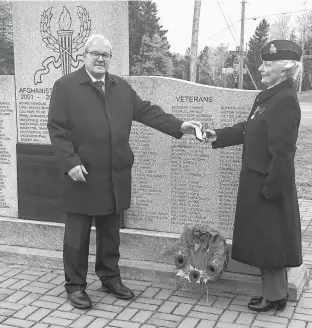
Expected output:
{"points": [[292, 68], [92, 38]]}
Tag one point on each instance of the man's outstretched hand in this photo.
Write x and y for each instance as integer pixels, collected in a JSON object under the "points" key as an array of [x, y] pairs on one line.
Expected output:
{"points": [[190, 126]]}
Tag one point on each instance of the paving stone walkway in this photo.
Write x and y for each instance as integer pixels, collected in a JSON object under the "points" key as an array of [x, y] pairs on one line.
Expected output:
{"points": [[35, 297]]}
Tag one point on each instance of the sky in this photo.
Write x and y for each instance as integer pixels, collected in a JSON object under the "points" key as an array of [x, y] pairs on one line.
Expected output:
{"points": [[176, 16]]}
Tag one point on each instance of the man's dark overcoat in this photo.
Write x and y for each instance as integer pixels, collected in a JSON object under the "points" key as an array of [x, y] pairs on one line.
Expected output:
{"points": [[267, 231], [89, 128]]}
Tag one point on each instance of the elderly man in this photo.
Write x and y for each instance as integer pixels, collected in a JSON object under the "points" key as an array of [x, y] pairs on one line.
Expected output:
{"points": [[89, 122]]}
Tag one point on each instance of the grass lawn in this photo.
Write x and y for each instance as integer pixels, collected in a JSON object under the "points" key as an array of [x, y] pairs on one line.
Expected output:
{"points": [[303, 162], [305, 96]]}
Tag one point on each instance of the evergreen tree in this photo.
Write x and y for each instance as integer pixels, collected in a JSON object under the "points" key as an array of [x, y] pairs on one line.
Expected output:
{"points": [[204, 76], [143, 22], [154, 57], [259, 38], [6, 40], [181, 65]]}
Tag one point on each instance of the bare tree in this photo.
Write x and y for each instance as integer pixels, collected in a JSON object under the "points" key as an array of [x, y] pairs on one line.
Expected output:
{"points": [[304, 23], [211, 63], [281, 28]]}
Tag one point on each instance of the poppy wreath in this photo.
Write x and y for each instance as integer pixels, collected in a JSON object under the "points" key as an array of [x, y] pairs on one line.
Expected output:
{"points": [[201, 256]]}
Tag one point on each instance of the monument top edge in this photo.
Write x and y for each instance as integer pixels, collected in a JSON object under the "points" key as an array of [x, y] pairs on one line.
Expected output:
{"points": [[185, 82]]}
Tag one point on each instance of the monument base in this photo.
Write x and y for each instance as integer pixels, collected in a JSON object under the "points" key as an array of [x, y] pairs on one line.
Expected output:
{"points": [[145, 255]]}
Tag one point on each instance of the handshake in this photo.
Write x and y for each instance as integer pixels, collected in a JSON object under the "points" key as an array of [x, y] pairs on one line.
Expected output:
{"points": [[196, 128]]}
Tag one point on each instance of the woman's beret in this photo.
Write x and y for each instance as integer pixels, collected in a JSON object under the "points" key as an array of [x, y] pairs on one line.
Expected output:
{"points": [[280, 50]]}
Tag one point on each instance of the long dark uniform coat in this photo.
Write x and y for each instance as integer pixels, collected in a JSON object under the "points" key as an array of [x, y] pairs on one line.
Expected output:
{"points": [[89, 128], [267, 231]]}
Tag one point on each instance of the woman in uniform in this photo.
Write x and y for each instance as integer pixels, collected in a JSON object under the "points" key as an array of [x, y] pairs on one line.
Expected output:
{"points": [[267, 230]]}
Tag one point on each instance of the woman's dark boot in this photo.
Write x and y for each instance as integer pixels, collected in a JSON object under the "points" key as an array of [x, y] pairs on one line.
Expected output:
{"points": [[266, 305]]}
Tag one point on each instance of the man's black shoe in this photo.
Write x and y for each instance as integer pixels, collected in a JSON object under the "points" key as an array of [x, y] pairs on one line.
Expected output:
{"points": [[116, 287], [80, 299], [256, 300]]}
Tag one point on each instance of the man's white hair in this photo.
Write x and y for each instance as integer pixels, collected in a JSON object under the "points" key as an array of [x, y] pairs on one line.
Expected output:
{"points": [[292, 68], [92, 38]]}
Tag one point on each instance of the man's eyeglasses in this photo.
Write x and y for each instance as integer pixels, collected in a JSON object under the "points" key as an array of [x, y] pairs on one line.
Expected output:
{"points": [[96, 55]]}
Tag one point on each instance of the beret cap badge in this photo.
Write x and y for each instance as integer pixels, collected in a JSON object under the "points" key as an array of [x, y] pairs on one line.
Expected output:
{"points": [[272, 49]]}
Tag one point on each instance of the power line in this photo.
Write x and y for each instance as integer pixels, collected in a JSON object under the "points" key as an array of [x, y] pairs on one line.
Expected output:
{"points": [[286, 12], [226, 21], [223, 30], [229, 19], [255, 18], [241, 47]]}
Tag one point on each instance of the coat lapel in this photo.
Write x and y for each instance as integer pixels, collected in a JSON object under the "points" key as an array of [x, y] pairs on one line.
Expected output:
{"points": [[268, 93], [109, 80], [83, 77]]}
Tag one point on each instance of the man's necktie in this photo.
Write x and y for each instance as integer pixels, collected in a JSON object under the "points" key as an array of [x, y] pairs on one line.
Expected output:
{"points": [[99, 85]]}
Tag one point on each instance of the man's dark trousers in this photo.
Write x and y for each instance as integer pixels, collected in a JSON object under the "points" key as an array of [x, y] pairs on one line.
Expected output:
{"points": [[76, 249]]}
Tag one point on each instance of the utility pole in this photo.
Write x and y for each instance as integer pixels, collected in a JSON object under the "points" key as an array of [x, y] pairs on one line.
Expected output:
{"points": [[303, 44], [241, 49], [301, 72], [194, 45]]}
